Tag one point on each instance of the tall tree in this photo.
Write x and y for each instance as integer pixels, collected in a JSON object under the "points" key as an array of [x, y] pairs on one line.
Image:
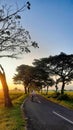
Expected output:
{"points": [[42, 74], [24, 76], [8, 102], [49, 83], [59, 66], [30, 77], [62, 66], [14, 40]]}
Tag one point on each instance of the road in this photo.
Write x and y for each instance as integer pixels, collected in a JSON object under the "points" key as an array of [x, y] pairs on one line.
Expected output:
{"points": [[46, 115]]}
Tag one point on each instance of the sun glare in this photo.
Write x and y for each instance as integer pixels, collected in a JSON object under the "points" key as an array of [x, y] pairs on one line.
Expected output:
{"points": [[0, 85]]}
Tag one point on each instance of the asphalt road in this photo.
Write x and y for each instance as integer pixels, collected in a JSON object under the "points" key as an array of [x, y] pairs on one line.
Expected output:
{"points": [[45, 115]]}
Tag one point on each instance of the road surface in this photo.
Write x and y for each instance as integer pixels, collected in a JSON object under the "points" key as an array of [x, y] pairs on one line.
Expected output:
{"points": [[46, 115]]}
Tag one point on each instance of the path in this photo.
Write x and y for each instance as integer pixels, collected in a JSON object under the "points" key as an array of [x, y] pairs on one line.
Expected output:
{"points": [[46, 115]]}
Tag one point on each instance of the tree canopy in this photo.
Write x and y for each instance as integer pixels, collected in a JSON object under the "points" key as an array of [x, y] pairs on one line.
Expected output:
{"points": [[24, 76], [62, 67], [59, 67], [14, 39], [49, 71]]}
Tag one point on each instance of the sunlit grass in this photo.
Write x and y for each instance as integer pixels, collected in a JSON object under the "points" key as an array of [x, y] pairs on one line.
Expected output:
{"points": [[66, 103], [12, 119]]}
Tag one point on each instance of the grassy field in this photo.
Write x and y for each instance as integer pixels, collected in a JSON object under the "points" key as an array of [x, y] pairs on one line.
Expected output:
{"points": [[12, 119], [67, 101]]}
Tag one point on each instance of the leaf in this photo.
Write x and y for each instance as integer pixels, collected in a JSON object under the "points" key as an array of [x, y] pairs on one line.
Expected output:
{"points": [[27, 50], [28, 4], [1, 11], [28, 7], [34, 44], [17, 17], [2, 32], [8, 32], [22, 49]]}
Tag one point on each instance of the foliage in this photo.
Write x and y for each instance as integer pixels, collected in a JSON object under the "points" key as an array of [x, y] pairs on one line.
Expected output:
{"points": [[48, 72], [30, 76], [56, 95], [42, 72], [62, 66], [24, 76], [59, 68], [14, 39], [63, 97], [68, 102]]}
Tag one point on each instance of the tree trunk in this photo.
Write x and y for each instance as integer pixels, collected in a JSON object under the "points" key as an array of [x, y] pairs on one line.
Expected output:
{"points": [[25, 87], [62, 89], [56, 88], [47, 90], [28, 89], [41, 89], [7, 99]]}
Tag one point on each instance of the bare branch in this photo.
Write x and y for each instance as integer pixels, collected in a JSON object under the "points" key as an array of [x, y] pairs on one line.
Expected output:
{"points": [[9, 56], [27, 5], [13, 37]]}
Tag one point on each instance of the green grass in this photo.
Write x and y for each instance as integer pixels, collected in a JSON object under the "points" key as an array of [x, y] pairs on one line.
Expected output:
{"points": [[66, 103], [12, 119]]}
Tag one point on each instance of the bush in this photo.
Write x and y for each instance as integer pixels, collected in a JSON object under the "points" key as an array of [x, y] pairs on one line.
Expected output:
{"points": [[63, 97], [56, 95]]}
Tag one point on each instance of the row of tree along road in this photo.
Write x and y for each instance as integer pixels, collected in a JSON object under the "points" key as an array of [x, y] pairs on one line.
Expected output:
{"points": [[53, 70]]}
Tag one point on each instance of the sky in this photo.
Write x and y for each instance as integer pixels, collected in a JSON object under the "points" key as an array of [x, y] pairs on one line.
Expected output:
{"points": [[50, 23]]}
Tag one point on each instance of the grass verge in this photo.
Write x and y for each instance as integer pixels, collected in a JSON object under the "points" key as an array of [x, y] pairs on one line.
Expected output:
{"points": [[67, 103], [11, 119]]}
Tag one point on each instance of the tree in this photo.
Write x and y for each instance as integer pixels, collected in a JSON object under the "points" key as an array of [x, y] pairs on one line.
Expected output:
{"points": [[14, 39], [24, 76], [8, 102], [30, 77], [49, 82], [42, 73], [61, 66]]}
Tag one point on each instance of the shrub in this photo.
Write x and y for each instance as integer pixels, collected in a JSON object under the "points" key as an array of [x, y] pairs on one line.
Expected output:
{"points": [[63, 97], [56, 95]]}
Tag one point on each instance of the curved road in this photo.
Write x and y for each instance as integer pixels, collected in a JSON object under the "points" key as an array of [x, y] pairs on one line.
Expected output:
{"points": [[46, 115]]}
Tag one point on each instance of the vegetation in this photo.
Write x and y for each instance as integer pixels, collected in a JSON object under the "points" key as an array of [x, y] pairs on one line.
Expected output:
{"points": [[66, 99], [12, 119], [46, 72], [61, 66], [7, 100], [24, 76], [59, 69], [14, 40], [30, 76]]}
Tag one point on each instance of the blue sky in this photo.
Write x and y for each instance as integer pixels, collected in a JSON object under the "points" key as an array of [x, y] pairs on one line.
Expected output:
{"points": [[50, 23]]}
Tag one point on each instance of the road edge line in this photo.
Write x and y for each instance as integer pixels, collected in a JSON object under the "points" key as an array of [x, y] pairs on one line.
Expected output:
{"points": [[69, 121]]}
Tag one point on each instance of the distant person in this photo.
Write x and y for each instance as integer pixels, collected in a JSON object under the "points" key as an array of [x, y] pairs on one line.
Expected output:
{"points": [[34, 98], [33, 94]]}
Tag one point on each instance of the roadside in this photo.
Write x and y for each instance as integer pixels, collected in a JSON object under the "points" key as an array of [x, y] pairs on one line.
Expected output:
{"points": [[66, 100], [12, 119]]}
